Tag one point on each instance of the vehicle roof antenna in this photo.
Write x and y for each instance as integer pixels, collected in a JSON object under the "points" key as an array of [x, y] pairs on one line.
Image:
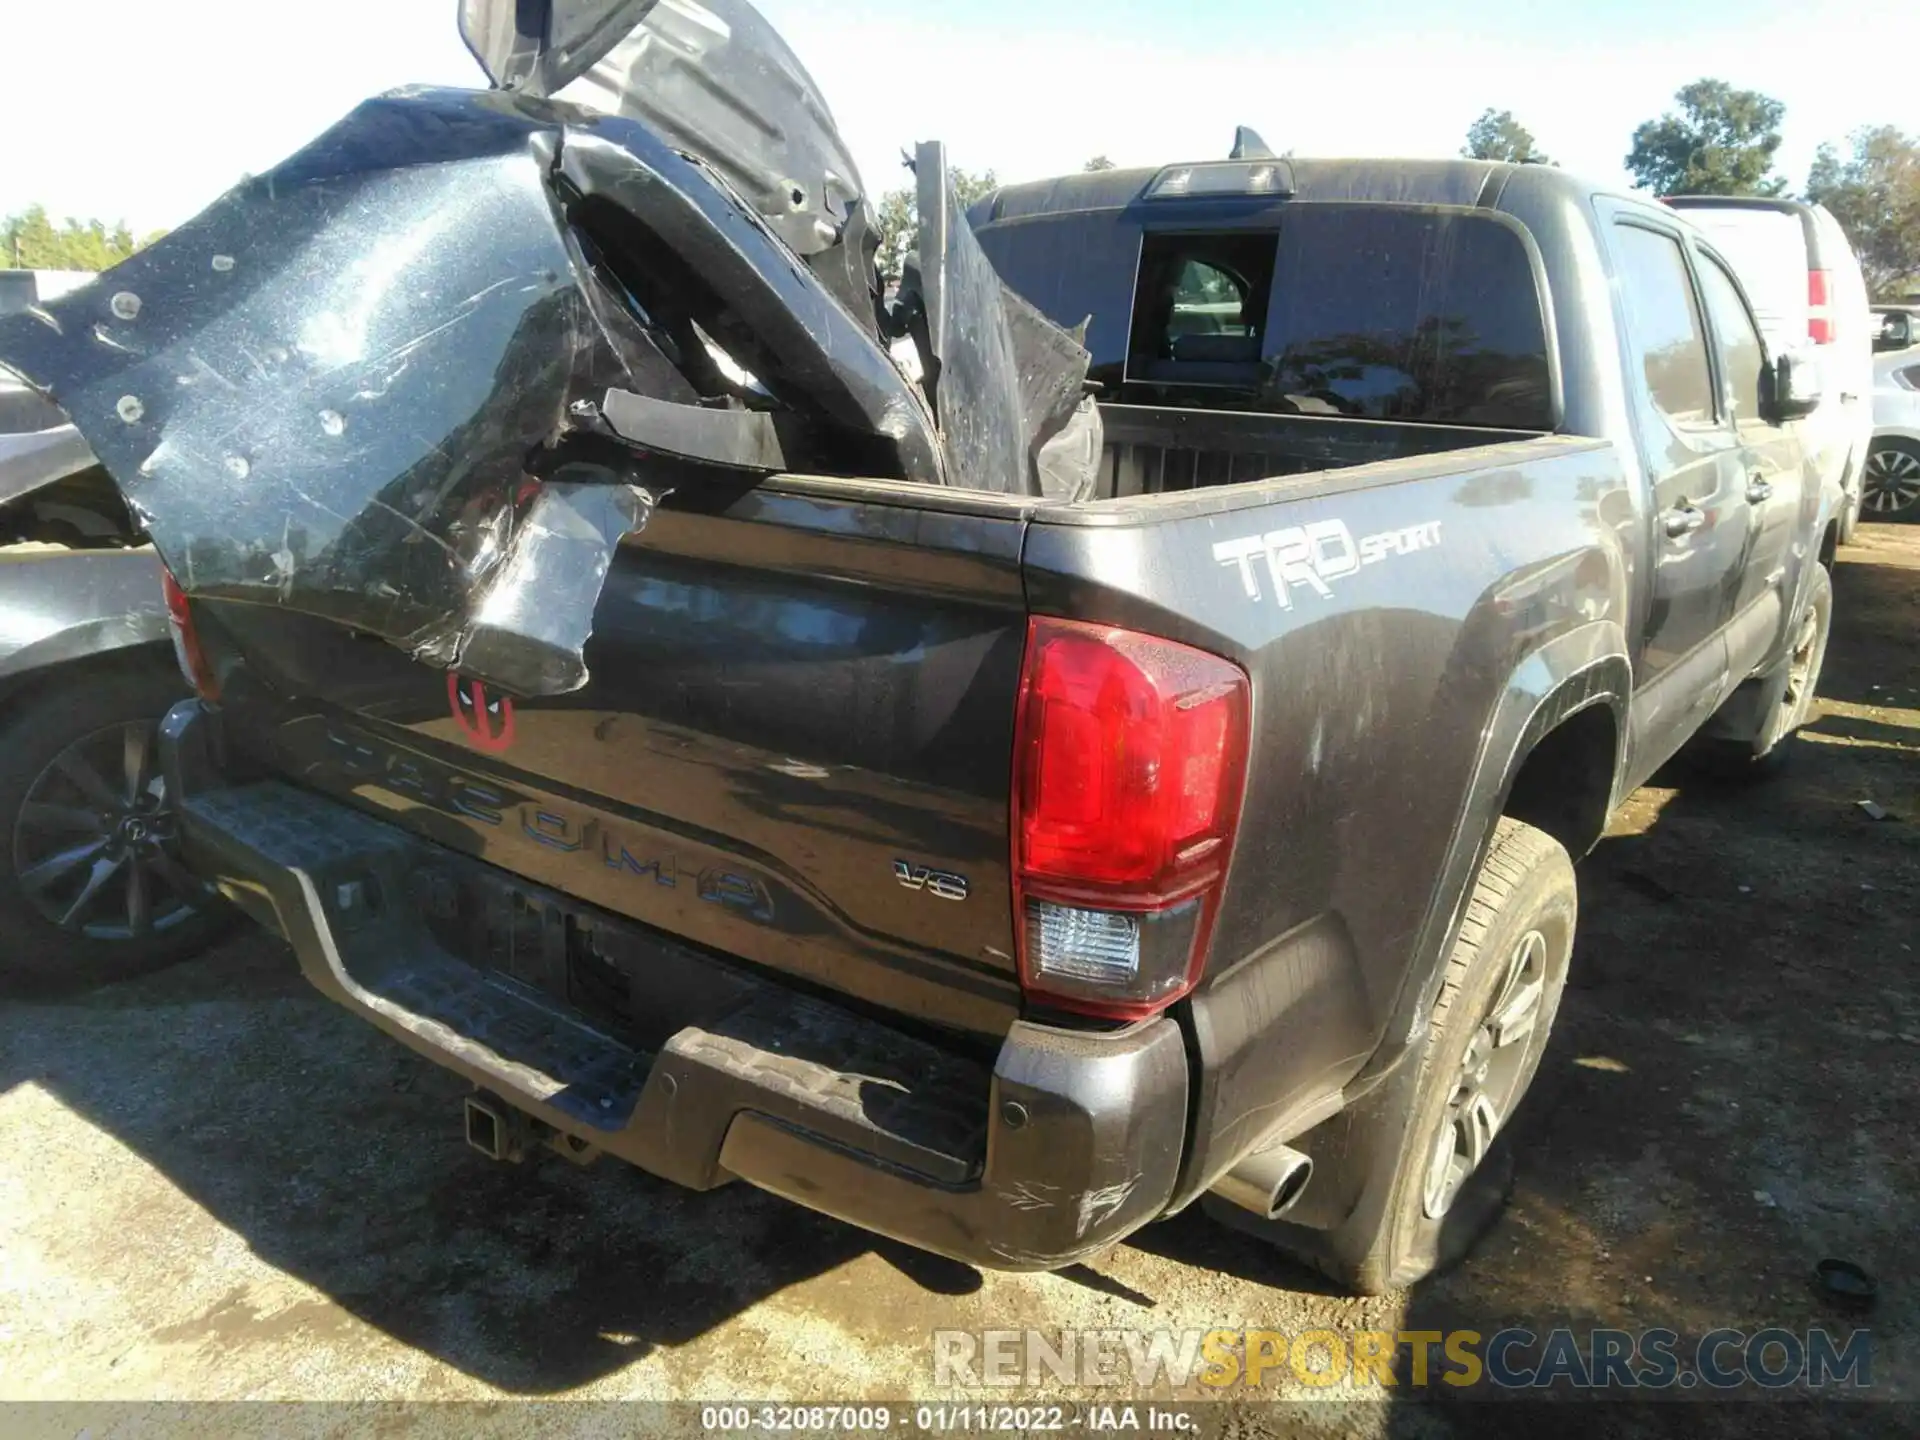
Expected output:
{"points": [[1247, 145]]}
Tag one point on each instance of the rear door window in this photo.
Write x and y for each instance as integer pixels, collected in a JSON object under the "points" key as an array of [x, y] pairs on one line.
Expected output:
{"points": [[1403, 314], [1663, 318]]}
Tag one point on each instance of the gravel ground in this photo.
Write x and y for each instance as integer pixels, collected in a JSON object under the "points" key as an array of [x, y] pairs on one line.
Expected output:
{"points": [[216, 1186]]}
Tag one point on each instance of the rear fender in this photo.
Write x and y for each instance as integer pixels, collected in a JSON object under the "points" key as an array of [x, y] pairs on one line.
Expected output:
{"points": [[1577, 670]]}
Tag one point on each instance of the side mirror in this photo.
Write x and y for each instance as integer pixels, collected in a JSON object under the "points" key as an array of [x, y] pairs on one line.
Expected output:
{"points": [[1790, 387], [1896, 331]]}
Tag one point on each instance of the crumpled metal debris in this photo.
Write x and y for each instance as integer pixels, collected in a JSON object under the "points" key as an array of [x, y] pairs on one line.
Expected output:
{"points": [[1004, 380], [338, 388], [423, 377]]}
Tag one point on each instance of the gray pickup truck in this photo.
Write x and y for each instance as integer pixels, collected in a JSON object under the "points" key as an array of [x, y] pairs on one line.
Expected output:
{"points": [[998, 854]]}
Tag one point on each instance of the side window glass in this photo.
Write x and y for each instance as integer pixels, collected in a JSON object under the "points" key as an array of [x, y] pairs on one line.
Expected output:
{"points": [[1664, 322], [1740, 345]]}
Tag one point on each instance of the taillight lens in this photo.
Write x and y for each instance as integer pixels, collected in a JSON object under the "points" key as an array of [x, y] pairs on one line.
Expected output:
{"points": [[1130, 755], [187, 648], [1819, 315]]}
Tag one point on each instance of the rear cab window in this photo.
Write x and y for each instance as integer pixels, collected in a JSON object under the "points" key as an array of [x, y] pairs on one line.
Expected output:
{"points": [[1200, 309], [1373, 311]]}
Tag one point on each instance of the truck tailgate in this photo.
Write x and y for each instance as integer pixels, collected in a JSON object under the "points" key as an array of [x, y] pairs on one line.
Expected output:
{"points": [[795, 747]]}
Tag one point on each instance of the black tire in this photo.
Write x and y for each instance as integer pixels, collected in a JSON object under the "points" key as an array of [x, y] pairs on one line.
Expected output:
{"points": [[1850, 514], [1432, 1178], [1786, 696], [1794, 690], [56, 751], [1890, 484]]}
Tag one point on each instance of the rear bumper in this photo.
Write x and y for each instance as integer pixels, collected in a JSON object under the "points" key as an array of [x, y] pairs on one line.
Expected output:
{"points": [[1068, 1143]]}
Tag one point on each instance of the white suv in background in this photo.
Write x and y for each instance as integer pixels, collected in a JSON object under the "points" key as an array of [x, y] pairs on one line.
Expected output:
{"points": [[1808, 294]]}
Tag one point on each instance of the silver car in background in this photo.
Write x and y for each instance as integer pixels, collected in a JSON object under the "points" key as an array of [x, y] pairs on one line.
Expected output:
{"points": [[1893, 462], [89, 889]]}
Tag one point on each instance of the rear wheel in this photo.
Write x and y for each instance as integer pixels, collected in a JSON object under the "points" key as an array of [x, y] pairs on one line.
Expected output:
{"points": [[91, 888], [1432, 1181], [1793, 693], [1850, 513], [1890, 487]]}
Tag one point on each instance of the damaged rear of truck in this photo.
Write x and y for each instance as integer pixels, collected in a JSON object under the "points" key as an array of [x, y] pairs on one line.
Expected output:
{"points": [[992, 819]]}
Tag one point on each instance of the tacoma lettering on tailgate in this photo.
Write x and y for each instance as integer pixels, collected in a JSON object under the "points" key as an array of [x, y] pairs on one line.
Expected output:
{"points": [[1316, 555]]}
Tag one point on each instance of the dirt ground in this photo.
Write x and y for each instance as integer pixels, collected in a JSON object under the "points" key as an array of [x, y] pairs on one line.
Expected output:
{"points": [[214, 1185]]}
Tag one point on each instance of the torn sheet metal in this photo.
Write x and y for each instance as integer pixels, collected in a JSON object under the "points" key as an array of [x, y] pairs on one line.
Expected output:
{"points": [[350, 386], [713, 78], [695, 257], [1069, 463], [334, 389], [745, 440], [1005, 380], [536, 611], [535, 47]]}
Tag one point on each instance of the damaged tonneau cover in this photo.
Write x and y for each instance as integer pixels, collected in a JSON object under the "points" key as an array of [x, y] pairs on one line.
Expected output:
{"points": [[423, 376]]}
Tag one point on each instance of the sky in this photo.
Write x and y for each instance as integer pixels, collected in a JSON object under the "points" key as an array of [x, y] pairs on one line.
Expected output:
{"points": [[144, 111]]}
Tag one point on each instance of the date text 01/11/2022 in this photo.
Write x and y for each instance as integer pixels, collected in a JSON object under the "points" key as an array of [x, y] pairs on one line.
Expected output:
{"points": [[944, 1419]]}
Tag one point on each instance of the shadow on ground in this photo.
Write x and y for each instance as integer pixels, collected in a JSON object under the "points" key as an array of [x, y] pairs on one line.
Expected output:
{"points": [[338, 1156]]}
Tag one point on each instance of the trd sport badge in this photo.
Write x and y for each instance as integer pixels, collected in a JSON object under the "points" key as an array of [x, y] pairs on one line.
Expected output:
{"points": [[486, 720]]}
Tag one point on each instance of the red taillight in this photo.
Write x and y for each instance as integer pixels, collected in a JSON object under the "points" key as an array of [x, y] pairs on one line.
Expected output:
{"points": [[1819, 319], [1129, 756], [187, 648]]}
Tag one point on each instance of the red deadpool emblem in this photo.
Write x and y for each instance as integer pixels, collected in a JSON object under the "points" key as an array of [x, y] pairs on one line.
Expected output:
{"points": [[486, 720]]}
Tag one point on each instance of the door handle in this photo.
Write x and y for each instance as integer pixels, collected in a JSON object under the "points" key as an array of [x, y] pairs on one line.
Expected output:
{"points": [[1757, 489], [1684, 520]]}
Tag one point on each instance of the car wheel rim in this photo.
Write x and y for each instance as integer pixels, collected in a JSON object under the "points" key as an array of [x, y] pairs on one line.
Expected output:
{"points": [[1800, 669], [1892, 481], [93, 843], [1485, 1086]]}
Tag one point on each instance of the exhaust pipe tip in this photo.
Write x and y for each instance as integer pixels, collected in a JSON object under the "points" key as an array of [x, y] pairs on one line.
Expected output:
{"points": [[1267, 1182]]}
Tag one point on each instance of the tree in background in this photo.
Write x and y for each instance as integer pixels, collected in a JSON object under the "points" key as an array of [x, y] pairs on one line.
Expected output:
{"points": [[1875, 195], [31, 241], [898, 218], [1496, 135], [1721, 143], [1098, 162]]}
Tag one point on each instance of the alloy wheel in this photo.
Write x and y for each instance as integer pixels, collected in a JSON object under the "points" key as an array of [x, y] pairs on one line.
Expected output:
{"points": [[1798, 697], [1892, 481], [1484, 1089], [93, 843]]}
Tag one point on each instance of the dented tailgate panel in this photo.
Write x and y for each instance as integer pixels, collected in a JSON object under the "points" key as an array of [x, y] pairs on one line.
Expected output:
{"points": [[795, 748]]}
